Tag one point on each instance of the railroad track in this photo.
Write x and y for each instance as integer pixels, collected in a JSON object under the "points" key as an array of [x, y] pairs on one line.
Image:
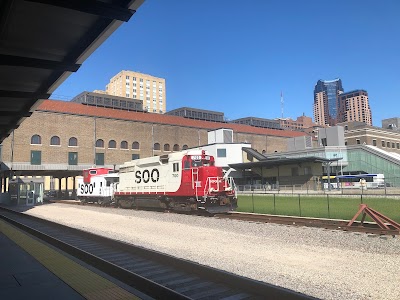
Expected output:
{"points": [[371, 228], [157, 275]]}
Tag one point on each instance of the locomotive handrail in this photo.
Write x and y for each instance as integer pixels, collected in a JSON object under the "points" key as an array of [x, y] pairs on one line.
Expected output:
{"points": [[195, 172]]}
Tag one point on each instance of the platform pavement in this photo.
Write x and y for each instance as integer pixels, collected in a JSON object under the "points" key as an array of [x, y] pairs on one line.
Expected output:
{"points": [[31, 269]]}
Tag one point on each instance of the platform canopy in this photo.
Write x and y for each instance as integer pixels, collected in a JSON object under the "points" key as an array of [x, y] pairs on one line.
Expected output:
{"points": [[42, 42], [281, 161]]}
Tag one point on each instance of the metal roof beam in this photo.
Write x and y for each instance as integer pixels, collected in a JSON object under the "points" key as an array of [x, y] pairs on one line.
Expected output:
{"points": [[15, 114], [5, 10], [18, 94], [102, 9], [19, 61]]}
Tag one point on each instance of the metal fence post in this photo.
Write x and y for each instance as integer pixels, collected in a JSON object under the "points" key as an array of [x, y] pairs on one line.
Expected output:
{"points": [[329, 211], [274, 205], [384, 182], [252, 200], [299, 206], [361, 198]]}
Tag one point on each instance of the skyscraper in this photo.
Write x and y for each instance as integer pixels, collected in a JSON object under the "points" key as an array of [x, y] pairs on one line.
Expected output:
{"points": [[354, 106], [326, 99]]}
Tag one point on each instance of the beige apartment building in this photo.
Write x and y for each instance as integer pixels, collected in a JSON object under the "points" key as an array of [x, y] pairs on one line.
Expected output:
{"points": [[149, 89], [359, 133], [354, 106]]}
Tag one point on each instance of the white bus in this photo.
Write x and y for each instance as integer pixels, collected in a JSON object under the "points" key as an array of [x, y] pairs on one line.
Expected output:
{"points": [[372, 181]]}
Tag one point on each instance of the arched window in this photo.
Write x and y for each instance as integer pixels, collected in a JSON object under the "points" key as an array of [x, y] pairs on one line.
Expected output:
{"points": [[36, 140], [157, 146], [100, 143], [166, 147], [176, 147], [112, 144], [135, 145], [55, 141], [184, 147], [73, 142], [263, 152], [124, 145]]}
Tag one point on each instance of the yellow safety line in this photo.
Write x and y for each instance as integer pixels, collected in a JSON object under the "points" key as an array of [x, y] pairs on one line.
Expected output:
{"points": [[87, 283]]}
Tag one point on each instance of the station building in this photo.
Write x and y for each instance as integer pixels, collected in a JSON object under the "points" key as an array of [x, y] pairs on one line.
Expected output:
{"points": [[60, 139]]}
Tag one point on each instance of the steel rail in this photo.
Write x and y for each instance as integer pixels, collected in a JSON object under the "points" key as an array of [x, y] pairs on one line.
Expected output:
{"points": [[159, 271], [371, 228]]}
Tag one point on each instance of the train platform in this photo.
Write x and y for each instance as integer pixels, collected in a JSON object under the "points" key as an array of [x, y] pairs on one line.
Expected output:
{"points": [[32, 269]]}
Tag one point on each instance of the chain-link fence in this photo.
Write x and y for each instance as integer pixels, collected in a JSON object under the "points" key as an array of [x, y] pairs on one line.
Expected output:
{"points": [[368, 185]]}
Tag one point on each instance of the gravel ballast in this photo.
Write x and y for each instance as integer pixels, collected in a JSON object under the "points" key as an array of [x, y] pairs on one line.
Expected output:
{"points": [[322, 263]]}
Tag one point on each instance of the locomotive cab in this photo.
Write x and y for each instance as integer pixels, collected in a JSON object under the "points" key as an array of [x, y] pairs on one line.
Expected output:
{"points": [[207, 182]]}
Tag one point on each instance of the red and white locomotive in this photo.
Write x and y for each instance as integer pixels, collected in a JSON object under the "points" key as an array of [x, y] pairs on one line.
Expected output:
{"points": [[97, 185], [179, 181]]}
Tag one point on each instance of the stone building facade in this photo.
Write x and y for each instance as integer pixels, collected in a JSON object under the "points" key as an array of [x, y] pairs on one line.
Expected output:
{"points": [[359, 133]]}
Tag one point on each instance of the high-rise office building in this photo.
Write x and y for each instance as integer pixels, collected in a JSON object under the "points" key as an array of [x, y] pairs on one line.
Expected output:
{"points": [[149, 89], [354, 106], [326, 96]]}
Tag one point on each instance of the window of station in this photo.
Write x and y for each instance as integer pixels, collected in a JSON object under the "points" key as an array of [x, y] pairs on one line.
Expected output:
{"points": [[112, 144], [157, 146], [135, 156], [72, 158], [358, 142], [373, 142], [100, 159], [176, 147], [124, 145], [166, 147], [100, 143], [388, 144], [135, 145], [55, 141], [36, 140], [184, 147], [36, 157], [383, 143]]}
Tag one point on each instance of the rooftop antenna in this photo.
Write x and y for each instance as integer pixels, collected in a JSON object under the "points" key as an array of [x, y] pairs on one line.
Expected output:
{"points": [[282, 104]]}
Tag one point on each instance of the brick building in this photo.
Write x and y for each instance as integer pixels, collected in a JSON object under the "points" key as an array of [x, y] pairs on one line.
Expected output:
{"points": [[60, 139]]}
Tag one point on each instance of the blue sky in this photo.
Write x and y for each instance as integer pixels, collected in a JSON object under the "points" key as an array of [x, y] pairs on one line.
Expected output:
{"points": [[237, 56]]}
